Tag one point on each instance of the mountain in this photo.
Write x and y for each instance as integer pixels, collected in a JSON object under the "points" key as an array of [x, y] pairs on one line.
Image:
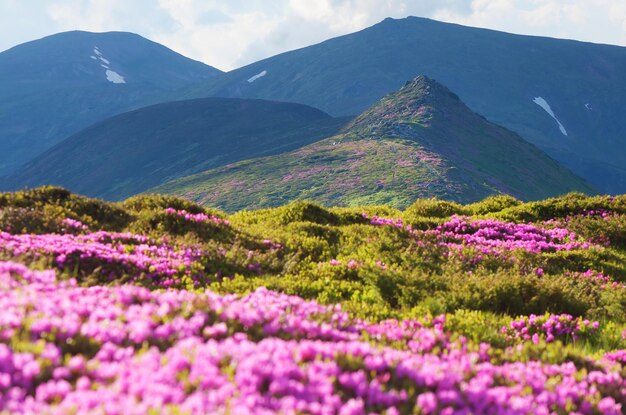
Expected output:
{"points": [[567, 97], [58, 85], [421, 141], [131, 152]]}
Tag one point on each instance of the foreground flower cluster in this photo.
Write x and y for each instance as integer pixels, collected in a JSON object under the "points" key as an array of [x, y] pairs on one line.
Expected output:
{"points": [[125, 349], [550, 327], [196, 217], [112, 254], [493, 237], [597, 277]]}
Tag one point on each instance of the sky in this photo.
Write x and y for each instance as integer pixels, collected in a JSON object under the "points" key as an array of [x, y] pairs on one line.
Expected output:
{"points": [[228, 34]]}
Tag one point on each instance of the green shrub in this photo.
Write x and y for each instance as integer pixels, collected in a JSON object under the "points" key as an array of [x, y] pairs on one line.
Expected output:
{"points": [[561, 207], [609, 230], [36, 197], [48, 205], [478, 326], [492, 204], [306, 212], [161, 202], [433, 208], [26, 220]]}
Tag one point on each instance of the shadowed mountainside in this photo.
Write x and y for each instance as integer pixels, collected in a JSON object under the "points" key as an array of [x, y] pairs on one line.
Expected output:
{"points": [[53, 87], [131, 152]]}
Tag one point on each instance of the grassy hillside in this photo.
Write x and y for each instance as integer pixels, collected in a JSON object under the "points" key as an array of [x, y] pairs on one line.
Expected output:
{"points": [[438, 307], [132, 152], [420, 141]]}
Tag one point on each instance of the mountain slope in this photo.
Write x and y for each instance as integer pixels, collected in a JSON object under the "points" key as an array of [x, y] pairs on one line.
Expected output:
{"points": [[420, 141], [55, 86], [131, 152], [515, 81]]}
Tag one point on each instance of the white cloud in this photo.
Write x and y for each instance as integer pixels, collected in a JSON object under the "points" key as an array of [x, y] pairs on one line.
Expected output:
{"points": [[231, 33], [140, 16], [601, 21], [18, 22]]}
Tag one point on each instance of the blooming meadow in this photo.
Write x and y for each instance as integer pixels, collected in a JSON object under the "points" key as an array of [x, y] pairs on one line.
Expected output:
{"points": [[112, 254], [115, 309]]}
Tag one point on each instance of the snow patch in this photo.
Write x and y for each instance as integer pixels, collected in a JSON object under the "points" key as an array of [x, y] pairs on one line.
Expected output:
{"points": [[99, 55], [111, 75], [544, 104], [257, 76], [114, 77]]}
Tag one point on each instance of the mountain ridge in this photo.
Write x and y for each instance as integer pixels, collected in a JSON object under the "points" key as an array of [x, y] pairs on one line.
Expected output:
{"points": [[497, 74], [420, 141]]}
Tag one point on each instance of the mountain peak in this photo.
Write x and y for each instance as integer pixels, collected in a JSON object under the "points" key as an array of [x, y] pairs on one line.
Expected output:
{"points": [[80, 56], [420, 82], [421, 87], [65, 82], [417, 102]]}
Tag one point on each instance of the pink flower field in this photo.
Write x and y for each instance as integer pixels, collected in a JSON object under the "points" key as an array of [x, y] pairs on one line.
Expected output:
{"points": [[161, 333], [127, 350]]}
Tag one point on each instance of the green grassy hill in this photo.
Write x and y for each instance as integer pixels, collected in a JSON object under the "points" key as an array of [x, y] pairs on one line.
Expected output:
{"points": [[132, 152], [420, 141]]}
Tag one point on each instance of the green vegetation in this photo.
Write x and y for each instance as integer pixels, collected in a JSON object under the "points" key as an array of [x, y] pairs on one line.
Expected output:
{"points": [[379, 271]]}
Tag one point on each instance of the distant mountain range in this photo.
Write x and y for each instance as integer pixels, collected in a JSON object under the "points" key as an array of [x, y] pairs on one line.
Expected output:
{"points": [[132, 152], [114, 114], [567, 97], [53, 87], [421, 141]]}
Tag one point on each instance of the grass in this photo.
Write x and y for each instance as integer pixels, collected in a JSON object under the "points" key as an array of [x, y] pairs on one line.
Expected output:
{"points": [[334, 255]]}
